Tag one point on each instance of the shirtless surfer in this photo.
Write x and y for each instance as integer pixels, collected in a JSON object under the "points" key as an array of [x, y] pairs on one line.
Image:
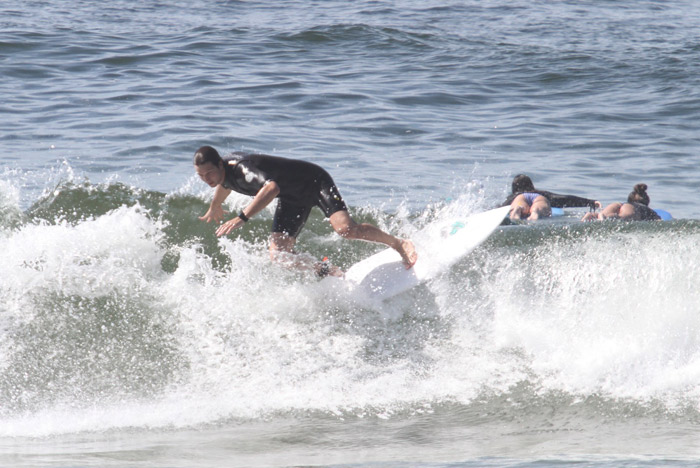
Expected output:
{"points": [[299, 186]]}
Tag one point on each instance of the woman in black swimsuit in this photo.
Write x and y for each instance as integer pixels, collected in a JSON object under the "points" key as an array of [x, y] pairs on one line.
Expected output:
{"points": [[636, 208], [298, 185]]}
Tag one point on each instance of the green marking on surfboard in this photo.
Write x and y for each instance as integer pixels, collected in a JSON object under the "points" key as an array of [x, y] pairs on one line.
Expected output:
{"points": [[456, 227]]}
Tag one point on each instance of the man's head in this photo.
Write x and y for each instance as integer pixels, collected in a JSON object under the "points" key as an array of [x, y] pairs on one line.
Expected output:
{"points": [[522, 183], [209, 166]]}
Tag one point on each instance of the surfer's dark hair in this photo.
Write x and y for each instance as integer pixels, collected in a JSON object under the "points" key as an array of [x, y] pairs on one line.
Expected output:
{"points": [[207, 154], [639, 195], [522, 183]]}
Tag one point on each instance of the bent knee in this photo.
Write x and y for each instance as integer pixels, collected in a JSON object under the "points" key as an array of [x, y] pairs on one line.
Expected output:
{"points": [[280, 243], [347, 229]]}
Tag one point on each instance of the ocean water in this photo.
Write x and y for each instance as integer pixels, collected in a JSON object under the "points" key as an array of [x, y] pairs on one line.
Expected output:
{"points": [[131, 336]]}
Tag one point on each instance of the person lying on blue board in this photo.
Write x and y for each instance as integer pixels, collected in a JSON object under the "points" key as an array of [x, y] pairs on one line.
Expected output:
{"points": [[636, 208], [523, 184], [530, 206], [298, 186]]}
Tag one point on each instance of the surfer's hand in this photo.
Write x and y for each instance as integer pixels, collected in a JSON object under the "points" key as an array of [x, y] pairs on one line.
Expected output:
{"points": [[229, 226], [214, 213]]}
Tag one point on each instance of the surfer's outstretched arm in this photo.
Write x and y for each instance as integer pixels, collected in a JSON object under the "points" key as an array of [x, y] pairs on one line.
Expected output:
{"points": [[216, 210], [263, 198]]}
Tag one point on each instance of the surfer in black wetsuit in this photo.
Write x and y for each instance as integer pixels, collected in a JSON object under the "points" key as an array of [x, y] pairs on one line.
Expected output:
{"points": [[523, 184], [299, 186], [636, 208]]}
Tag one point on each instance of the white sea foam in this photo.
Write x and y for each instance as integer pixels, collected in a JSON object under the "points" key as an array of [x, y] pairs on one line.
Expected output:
{"points": [[609, 313], [616, 315]]}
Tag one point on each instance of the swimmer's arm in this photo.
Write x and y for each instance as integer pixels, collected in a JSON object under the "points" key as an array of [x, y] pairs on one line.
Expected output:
{"points": [[216, 211], [220, 195], [264, 197], [570, 201]]}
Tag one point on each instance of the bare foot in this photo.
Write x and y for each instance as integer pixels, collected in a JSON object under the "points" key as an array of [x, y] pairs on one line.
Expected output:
{"points": [[336, 271], [326, 268], [408, 253]]}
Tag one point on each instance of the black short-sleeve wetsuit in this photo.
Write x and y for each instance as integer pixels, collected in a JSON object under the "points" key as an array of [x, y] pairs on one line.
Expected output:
{"points": [[556, 200], [302, 185], [643, 212]]}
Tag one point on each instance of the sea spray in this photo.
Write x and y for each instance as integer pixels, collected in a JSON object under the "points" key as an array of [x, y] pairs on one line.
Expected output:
{"points": [[81, 323], [122, 309], [612, 311]]}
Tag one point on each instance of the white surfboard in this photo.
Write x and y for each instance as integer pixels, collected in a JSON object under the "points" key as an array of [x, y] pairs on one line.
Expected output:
{"points": [[439, 246]]}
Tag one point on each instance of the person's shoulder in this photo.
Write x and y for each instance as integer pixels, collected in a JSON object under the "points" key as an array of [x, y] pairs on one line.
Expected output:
{"points": [[644, 211], [235, 156]]}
